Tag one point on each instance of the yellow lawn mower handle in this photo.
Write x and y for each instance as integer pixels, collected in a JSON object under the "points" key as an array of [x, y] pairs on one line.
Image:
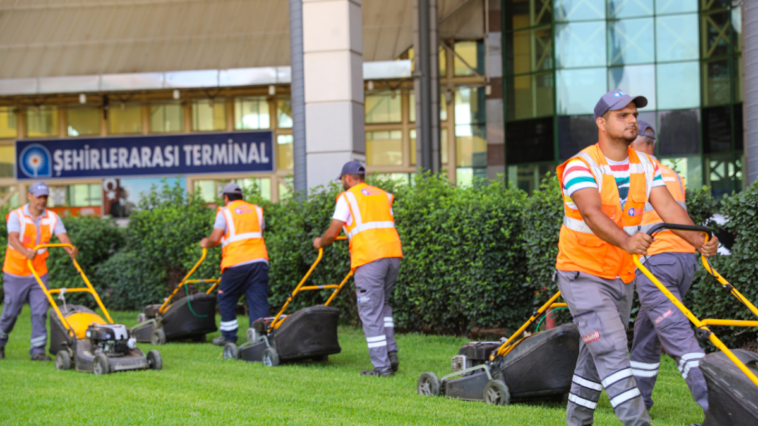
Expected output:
{"points": [[702, 326], [88, 289], [186, 280]]}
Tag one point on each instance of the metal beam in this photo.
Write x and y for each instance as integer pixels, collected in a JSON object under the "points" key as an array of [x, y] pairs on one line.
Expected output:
{"points": [[297, 90]]}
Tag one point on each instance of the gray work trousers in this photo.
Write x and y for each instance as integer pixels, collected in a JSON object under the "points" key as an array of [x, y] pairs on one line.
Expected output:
{"points": [[660, 322], [373, 286], [20, 290], [601, 309]]}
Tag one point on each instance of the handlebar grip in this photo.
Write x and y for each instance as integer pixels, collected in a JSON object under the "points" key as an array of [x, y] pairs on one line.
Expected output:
{"points": [[677, 227]]}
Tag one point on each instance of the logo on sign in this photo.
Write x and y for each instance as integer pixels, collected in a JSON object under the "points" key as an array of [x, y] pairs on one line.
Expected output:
{"points": [[35, 161]]}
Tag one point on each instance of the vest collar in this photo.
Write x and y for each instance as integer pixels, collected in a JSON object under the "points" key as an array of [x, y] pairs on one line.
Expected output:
{"points": [[27, 213], [602, 161]]}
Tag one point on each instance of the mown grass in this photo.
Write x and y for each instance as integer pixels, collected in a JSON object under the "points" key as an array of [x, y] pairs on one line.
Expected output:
{"points": [[196, 386]]}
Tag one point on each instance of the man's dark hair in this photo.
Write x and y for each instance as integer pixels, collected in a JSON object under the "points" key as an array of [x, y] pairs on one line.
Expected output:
{"points": [[358, 177], [234, 197]]}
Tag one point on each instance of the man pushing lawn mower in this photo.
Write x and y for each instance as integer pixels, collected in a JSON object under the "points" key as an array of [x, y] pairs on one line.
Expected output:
{"points": [[659, 322], [375, 252], [605, 189], [29, 226], [244, 261]]}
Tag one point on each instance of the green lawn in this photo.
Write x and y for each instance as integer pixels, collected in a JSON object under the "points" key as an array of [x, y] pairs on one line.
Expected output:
{"points": [[196, 386]]}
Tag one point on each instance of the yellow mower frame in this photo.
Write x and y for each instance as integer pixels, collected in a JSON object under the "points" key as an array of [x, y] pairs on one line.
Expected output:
{"points": [[703, 325], [279, 318], [88, 289], [164, 307]]}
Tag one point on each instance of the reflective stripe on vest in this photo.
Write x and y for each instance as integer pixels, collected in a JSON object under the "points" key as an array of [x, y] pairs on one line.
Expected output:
{"points": [[358, 221], [233, 236], [16, 263]]}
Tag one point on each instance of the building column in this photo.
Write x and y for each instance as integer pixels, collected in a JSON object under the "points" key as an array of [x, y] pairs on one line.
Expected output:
{"points": [[333, 74], [750, 87], [494, 100], [427, 85]]}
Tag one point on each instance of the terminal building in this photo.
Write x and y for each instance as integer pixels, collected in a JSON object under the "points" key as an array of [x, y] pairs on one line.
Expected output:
{"points": [[104, 99]]}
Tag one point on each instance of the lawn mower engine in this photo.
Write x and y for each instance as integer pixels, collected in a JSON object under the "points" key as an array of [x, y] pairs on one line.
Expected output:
{"points": [[112, 340], [472, 354]]}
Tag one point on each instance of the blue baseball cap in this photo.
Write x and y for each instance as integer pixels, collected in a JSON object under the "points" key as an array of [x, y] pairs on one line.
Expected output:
{"points": [[39, 189], [231, 188], [616, 100], [643, 126], [352, 168]]}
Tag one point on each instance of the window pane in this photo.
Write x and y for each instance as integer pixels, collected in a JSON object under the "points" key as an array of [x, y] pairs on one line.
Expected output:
{"points": [[7, 123], [263, 184], [206, 189], [738, 128], [676, 37], [284, 113], [529, 51], [737, 79], [83, 121], [717, 129], [716, 82], [384, 148], [527, 177], [690, 168], [629, 9], [85, 195], [7, 161], [383, 107], [13, 202], [469, 105], [412, 138], [209, 115], [579, 10], [527, 13], [737, 28], [529, 141], [678, 132], [636, 80], [717, 33], [580, 44], [166, 118], [412, 106], [530, 96], [284, 156], [630, 41], [125, 119], [251, 113], [286, 186], [678, 85], [574, 134], [42, 122], [464, 176], [132, 190], [471, 146], [579, 90], [675, 6], [723, 174], [473, 53]]}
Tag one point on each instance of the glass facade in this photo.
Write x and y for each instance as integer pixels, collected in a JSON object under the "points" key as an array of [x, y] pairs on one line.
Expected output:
{"points": [[42, 122], [208, 115], [82, 121], [561, 56], [125, 119], [8, 127]]}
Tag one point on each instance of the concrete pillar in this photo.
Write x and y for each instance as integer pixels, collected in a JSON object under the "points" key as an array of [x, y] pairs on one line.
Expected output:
{"points": [[427, 86], [297, 91], [334, 114], [750, 87]]}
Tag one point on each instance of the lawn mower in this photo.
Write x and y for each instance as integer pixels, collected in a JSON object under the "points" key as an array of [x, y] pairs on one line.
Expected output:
{"points": [[191, 317], [537, 367], [730, 374], [81, 337], [309, 333]]}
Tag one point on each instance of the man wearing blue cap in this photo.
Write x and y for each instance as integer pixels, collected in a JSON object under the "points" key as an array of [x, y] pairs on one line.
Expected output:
{"points": [[659, 322], [365, 212], [29, 226], [605, 189]]}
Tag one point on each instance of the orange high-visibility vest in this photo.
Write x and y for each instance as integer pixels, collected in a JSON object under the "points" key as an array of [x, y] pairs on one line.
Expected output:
{"points": [[372, 233], [579, 249], [667, 241], [243, 240], [15, 262]]}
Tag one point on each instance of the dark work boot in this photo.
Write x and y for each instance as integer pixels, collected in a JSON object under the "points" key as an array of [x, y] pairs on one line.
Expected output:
{"points": [[221, 341], [41, 357], [394, 361], [2, 353], [382, 373]]}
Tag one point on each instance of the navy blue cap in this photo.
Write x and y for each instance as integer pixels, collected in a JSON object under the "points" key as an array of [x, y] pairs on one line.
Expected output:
{"points": [[616, 100], [352, 168], [39, 189], [643, 126]]}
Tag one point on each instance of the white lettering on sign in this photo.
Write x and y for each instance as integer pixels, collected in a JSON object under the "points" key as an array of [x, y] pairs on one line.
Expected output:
{"points": [[144, 157]]}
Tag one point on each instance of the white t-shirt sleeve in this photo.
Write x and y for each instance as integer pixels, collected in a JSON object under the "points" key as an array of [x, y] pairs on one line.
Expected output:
{"points": [[13, 223], [59, 227], [342, 211], [220, 222]]}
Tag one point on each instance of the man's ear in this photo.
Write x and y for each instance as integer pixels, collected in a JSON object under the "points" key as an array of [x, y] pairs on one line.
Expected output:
{"points": [[600, 121]]}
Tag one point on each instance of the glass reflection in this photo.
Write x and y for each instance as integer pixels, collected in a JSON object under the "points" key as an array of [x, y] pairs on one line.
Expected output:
{"points": [[574, 134], [579, 10], [528, 51], [631, 42], [530, 96], [529, 141], [678, 85], [637, 80], [675, 6], [527, 13], [579, 90], [678, 132], [716, 82], [629, 9], [689, 168], [717, 129], [676, 37], [723, 174], [383, 107], [527, 177], [384, 148], [580, 44]]}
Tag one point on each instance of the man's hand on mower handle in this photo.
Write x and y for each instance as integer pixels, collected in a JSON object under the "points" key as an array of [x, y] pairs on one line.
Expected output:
{"points": [[638, 243], [30, 254], [73, 252], [710, 248]]}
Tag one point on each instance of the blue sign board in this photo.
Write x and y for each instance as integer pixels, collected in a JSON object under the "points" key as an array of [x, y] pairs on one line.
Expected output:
{"points": [[145, 155]]}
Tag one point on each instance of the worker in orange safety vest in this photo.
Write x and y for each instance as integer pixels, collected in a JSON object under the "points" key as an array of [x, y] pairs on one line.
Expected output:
{"points": [[244, 261], [365, 213], [28, 226]]}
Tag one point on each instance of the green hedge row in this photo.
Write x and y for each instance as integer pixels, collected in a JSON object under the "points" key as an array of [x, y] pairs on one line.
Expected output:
{"points": [[474, 257]]}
